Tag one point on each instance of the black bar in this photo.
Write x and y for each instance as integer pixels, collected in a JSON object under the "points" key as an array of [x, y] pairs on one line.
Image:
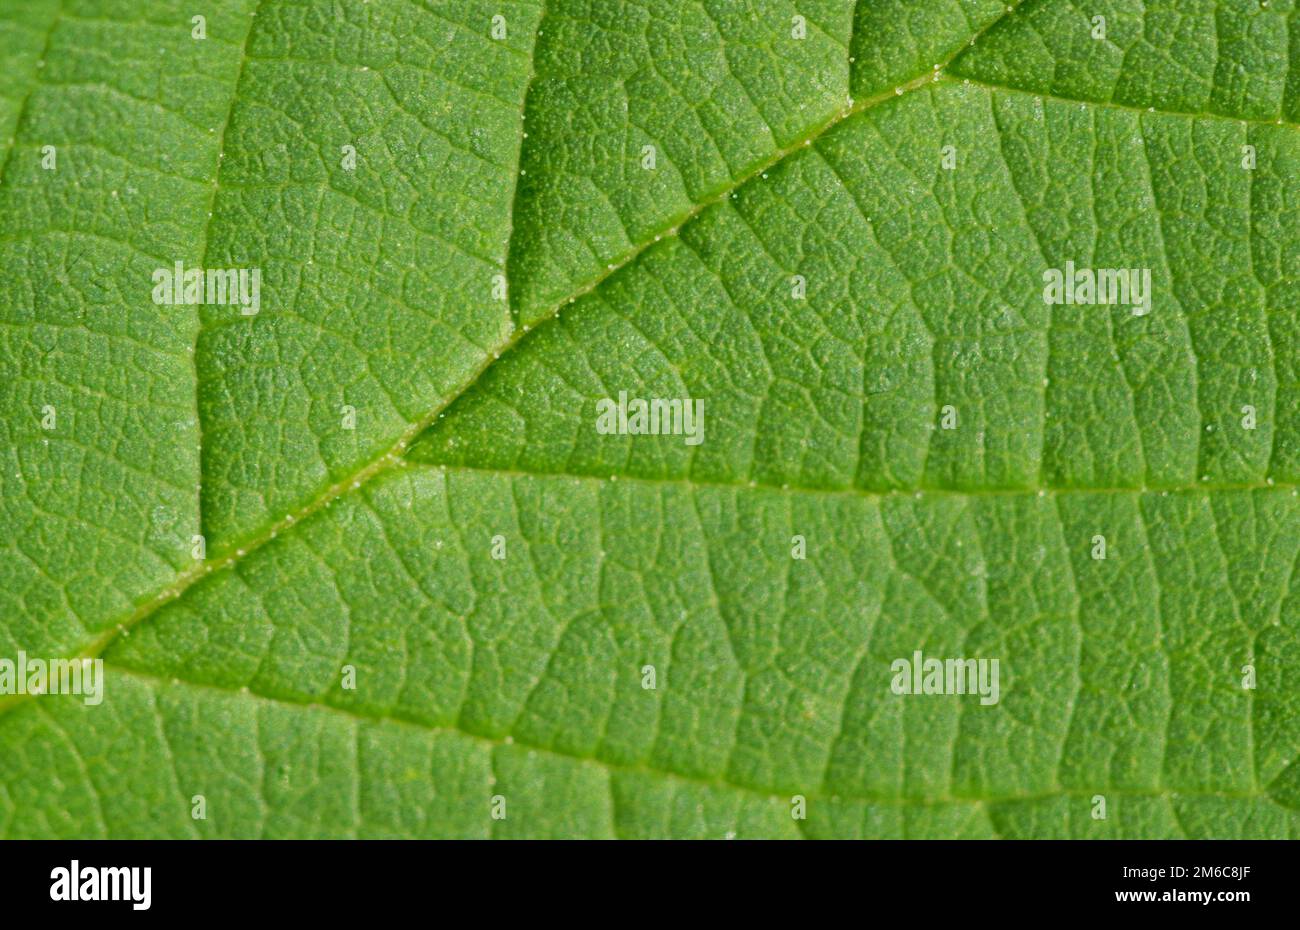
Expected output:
{"points": [[635, 881]]}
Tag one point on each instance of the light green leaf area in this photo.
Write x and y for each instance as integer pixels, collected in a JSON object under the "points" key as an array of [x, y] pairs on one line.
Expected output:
{"points": [[476, 614]]}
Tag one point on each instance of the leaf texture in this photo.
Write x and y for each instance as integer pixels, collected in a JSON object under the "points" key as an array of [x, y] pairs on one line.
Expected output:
{"points": [[517, 159]]}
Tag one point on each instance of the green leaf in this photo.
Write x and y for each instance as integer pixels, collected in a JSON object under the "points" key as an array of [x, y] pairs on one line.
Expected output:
{"points": [[477, 614]]}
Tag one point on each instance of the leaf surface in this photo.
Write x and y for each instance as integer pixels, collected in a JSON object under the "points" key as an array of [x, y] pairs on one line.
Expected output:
{"points": [[774, 158]]}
